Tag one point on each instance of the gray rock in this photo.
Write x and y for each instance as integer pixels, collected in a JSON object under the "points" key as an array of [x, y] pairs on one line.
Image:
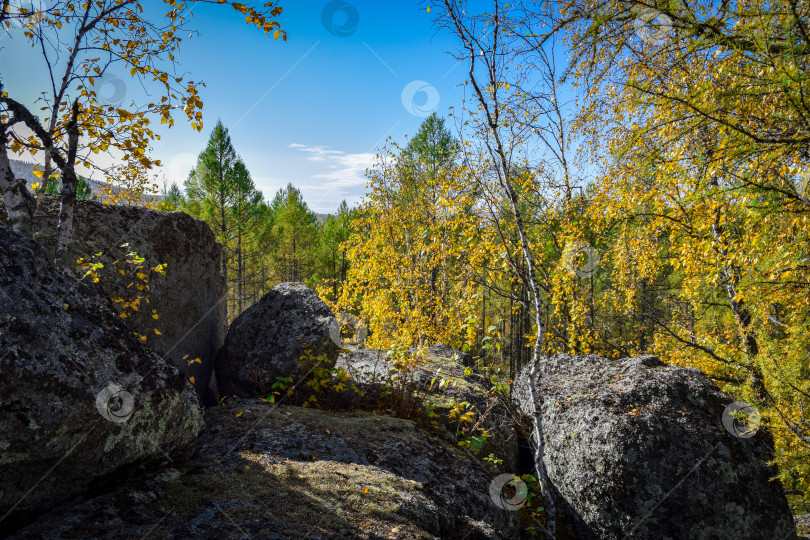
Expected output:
{"points": [[263, 471], [269, 338], [189, 299], [365, 366], [61, 346], [445, 351], [637, 448], [803, 525]]}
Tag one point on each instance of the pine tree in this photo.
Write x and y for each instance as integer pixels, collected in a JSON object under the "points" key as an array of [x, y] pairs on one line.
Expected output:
{"points": [[333, 262], [249, 215], [173, 199], [210, 192], [295, 236]]}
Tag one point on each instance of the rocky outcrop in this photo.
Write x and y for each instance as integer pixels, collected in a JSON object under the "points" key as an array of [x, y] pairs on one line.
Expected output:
{"points": [[637, 448], [441, 376], [268, 340], [81, 398], [262, 471], [188, 299]]}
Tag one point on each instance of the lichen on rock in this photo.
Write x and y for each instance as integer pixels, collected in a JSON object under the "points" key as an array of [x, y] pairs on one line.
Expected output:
{"points": [[63, 348], [635, 447]]}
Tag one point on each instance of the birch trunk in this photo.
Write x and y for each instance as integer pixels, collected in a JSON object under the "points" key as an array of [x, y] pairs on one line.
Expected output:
{"points": [[19, 202], [69, 182]]}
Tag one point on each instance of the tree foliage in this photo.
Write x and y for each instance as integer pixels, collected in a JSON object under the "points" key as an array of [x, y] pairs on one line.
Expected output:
{"points": [[661, 177], [221, 192], [412, 245], [705, 139], [83, 44], [295, 234]]}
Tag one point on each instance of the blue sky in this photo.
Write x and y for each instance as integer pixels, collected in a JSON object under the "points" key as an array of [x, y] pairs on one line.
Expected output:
{"points": [[311, 111]]}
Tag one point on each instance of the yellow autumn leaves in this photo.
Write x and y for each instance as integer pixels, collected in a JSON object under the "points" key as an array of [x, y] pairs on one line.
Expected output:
{"points": [[704, 141]]}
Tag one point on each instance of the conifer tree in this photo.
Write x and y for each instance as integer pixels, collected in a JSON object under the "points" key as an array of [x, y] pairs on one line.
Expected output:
{"points": [[295, 236], [210, 190]]}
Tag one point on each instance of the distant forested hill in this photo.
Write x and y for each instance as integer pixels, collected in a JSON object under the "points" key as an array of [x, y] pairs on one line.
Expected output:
{"points": [[24, 170]]}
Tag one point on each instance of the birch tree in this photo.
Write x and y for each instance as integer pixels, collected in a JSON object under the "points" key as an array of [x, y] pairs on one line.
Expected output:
{"points": [[81, 44]]}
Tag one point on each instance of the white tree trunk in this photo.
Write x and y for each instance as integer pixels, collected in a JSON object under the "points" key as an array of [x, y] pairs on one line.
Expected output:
{"points": [[69, 184], [19, 202]]}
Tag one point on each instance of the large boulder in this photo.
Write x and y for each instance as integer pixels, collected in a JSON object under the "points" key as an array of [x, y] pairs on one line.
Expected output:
{"points": [[189, 298], [279, 472], [269, 339], [637, 448], [81, 398]]}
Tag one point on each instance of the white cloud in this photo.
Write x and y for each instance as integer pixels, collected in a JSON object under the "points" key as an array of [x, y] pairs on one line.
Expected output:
{"points": [[334, 175], [343, 170]]}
